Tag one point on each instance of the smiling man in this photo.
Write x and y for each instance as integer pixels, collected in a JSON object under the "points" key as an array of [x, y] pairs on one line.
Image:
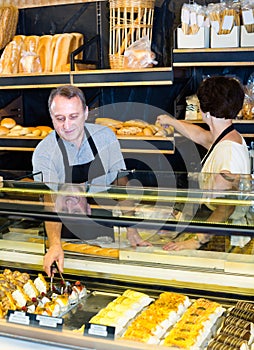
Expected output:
{"points": [[77, 152]]}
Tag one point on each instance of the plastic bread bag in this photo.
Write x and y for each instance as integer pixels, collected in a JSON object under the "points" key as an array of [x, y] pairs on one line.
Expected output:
{"points": [[247, 7], [29, 63], [139, 54]]}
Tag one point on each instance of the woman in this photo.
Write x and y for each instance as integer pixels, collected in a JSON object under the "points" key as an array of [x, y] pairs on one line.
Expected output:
{"points": [[221, 99]]}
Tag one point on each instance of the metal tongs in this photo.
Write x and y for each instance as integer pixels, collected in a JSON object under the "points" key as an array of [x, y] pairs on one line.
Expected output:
{"points": [[54, 267]]}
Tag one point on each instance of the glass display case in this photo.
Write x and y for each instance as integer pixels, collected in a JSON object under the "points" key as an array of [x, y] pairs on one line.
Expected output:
{"points": [[195, 236]]}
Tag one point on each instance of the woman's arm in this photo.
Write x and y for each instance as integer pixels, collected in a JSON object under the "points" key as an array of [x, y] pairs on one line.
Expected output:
{"points": [[193, 132]]}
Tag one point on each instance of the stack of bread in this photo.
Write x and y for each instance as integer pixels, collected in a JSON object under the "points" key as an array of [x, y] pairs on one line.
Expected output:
{"points": [[36, 54], [8, 22], [135, 127], [9, 128], [19, 292]]}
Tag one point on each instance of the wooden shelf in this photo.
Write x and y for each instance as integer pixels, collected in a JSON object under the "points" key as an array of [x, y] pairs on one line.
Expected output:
{"points": [[240, 56], [89, 78], [41, 3]]}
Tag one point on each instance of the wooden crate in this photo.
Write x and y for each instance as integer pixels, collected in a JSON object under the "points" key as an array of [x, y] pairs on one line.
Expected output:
{"points": [[130, 20]]}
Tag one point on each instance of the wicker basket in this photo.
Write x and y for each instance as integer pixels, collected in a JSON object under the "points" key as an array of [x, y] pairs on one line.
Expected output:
{"points": [[130, 20]]}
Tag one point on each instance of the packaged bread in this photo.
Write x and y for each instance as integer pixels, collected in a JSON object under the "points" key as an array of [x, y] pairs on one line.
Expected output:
{"points": [[31, 43], [29, 63]]}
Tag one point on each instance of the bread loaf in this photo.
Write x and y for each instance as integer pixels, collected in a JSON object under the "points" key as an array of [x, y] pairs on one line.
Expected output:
{"points": [[76, 43], [44, 52], [62, 51]]}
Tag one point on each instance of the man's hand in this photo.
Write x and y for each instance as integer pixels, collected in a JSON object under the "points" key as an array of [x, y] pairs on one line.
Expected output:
{"points": [[54, 253], [135, 239]]}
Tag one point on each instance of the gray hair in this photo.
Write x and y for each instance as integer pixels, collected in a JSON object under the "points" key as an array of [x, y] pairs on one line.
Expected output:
{"points": [[67, 91]]}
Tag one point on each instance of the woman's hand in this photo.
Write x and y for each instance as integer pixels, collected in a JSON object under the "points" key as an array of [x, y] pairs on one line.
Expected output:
{"points": [[164, 120], [135, 239], [189, 244]]}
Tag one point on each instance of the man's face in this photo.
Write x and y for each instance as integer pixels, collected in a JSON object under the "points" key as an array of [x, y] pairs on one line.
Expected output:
{"points": [[68, 118]]}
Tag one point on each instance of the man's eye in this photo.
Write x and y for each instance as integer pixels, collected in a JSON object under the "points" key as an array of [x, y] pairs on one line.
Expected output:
{"points": [[73, 117], [60, 119]]}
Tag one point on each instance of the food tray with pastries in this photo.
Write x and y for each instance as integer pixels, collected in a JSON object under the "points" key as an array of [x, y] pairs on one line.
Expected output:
{"points": [[137, 135], [34, 294]]}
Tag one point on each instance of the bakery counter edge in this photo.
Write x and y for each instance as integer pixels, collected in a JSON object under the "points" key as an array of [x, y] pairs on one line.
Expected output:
{"points": [[89, 78]]}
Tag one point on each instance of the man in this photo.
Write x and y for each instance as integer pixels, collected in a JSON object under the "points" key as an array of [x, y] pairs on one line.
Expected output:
{"points": [[76, 152]]}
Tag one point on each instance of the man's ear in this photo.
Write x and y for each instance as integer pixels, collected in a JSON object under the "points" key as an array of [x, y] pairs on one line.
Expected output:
{"points": [[86, 113]]}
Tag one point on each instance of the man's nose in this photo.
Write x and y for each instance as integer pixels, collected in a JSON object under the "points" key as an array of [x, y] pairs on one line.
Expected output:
{"points": [[67, 123]]}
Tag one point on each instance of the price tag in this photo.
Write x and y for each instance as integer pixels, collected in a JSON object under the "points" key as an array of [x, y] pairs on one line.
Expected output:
{"points": [[19, 317], [97, 330], [35, 320], [47, 321]]}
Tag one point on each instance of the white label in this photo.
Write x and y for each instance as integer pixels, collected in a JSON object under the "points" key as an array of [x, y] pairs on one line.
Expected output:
{"points": [[20, 318], [193, 18], [227, 22], [98, 330], [185, 16], [48, 321], [215, 25], [200, 20], [248, 17]]}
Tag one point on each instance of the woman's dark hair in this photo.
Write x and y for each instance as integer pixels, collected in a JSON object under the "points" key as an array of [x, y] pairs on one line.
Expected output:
{"points": [[221, 96], [68, 91]]}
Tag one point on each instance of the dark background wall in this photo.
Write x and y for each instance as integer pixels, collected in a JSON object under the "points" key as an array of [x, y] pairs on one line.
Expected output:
{"points": [[83, 18]]}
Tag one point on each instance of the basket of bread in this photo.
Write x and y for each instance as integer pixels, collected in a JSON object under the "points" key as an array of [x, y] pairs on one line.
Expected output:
{"points": [[9, 128], [136, 128]]}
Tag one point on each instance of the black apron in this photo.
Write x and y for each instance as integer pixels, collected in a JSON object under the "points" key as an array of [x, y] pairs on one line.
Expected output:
{"points": [[79, 174], [204, 212]]}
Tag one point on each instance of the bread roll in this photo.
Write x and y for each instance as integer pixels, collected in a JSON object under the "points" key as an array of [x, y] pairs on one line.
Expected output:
{"points": [[16, 127], [136, 122], [109, 122], [8, 123], [130, 130], [44, 128], [62, 51], [44, 52], [3, 130], [147, 131]]}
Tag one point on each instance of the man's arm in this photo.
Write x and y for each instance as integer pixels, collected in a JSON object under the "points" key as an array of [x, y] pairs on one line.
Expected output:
{"points": [[55, 251]]}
